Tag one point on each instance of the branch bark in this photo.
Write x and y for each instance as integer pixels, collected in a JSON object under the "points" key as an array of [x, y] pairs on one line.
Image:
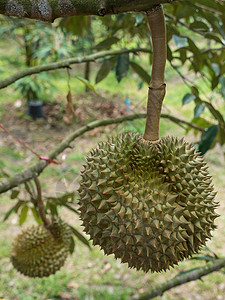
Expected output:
{"points": [[179, 280], [49, 10], [65, 64], [7, 184], [41, 207]]}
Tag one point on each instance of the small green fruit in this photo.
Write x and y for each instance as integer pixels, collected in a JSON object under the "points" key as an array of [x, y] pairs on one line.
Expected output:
{"points": [[40, 252]]}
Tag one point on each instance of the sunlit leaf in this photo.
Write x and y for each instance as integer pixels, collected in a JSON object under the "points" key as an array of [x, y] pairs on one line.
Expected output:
{"points": [[87, 83], [23, 215]]}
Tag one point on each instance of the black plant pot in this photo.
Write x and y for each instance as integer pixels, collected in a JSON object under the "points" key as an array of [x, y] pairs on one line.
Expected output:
{"points": [[35, 109]]}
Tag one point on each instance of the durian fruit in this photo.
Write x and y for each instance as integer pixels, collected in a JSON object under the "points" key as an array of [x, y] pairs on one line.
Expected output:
{"points": [[40, 252], [150, 204]]}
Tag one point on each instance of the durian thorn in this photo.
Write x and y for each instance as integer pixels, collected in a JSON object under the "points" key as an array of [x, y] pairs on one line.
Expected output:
{"points": [[157, 88], [41, 207]]}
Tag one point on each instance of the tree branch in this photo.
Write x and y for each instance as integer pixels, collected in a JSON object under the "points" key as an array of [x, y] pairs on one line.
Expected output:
{"points": [[65, 64], [49, 10], [7, 184], [179, 280]]}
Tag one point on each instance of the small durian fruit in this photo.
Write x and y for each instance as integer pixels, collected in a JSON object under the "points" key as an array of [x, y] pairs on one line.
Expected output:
{"points": [[150, 204], [40, 252]]}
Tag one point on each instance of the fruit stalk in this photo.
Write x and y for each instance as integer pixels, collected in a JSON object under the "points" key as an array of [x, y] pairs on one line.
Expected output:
{"points": [[41, 207], [157, 87]]}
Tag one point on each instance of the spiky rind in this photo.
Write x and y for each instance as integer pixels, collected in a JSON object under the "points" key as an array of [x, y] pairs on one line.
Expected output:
{"points": [[40, 252], [152, 205]]}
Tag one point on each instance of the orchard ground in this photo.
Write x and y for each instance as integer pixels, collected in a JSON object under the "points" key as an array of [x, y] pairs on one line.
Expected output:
{"points": [[89, 274]]}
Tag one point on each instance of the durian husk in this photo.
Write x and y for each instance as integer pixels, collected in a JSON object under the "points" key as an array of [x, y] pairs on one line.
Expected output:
{"points": [[149, 204], [41, 252]]}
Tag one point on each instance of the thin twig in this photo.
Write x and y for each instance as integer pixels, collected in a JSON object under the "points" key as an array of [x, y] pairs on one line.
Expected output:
{"points": [[41, 207]]}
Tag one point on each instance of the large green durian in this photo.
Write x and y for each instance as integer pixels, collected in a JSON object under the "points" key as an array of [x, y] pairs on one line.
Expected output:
{"points": [[151, 204], [40, 252]]}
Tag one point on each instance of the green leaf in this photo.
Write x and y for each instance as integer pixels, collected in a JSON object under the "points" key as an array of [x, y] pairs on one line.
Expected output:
{"points": [[71, 208], [28, 187], [14, 194], [199, 25], [222, 89], [73, 24], [206, 258], [80, 237], [188, 271], [141, 72], [53, 209], [201, 122], [23, 215], [213, 36], [87, 83], [208, 138], [122, 66], [107, 43], [72, 245], [36, 215], [105, 69], [12, 209], [199, 109], [65, 198], [188, 98]]}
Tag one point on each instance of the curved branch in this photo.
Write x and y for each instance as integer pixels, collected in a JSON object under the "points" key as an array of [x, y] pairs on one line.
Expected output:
{"points": [[179, 280], [65, 64], [8, 183], [41, 207], [49, 10]]}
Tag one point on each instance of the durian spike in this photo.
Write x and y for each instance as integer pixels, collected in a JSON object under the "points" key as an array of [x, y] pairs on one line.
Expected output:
{"points": [[40, 203], [157, 87]]}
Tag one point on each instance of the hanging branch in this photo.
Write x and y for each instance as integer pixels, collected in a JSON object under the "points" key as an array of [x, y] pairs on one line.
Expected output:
{"points": [[7, 184], [181, 279], [40, 203], [157, 88]]}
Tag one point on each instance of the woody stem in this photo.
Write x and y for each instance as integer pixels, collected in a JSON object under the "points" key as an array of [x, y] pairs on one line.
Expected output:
{"points": [[41, 207], [157, 87]]}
